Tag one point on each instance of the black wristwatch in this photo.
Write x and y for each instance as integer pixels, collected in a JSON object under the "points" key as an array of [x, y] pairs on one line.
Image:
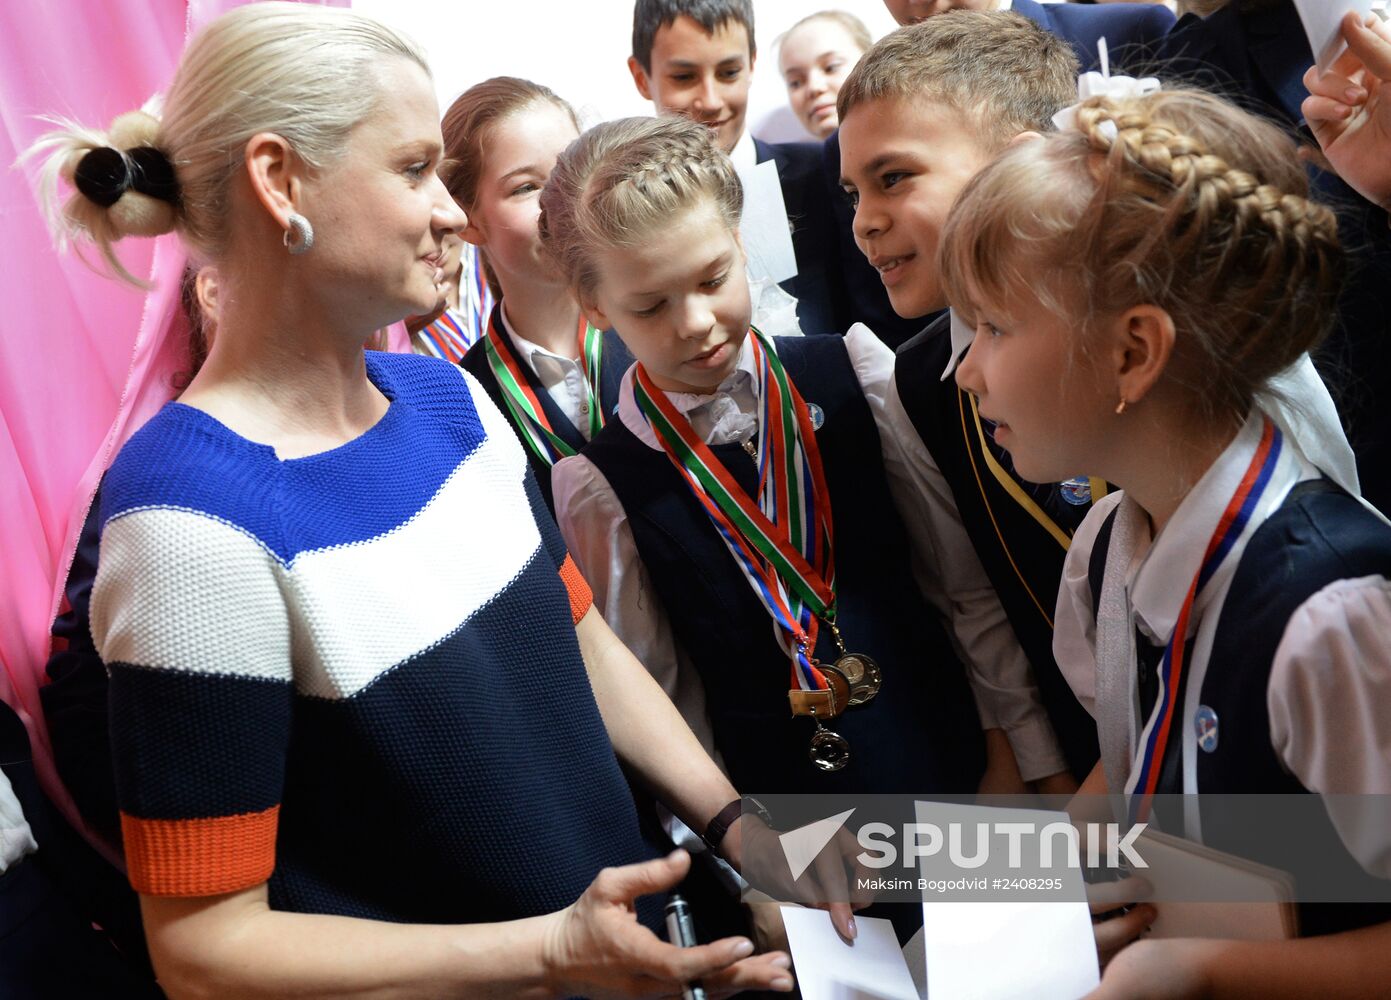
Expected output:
{"points": [[719, 826]]}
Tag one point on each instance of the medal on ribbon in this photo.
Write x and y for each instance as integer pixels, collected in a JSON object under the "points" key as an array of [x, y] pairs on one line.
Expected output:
{"points": [[522, 403], [783, 543], [1155, 738]]}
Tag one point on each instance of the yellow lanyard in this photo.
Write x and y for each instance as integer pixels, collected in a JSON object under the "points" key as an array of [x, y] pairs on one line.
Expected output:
{"points": [[1016, 493]]}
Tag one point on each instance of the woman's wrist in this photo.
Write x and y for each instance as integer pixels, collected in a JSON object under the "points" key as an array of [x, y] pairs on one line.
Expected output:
{"points": [[542, 964]]}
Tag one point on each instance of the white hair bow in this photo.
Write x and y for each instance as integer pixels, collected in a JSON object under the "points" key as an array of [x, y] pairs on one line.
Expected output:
{"points": [[1095, 84]]}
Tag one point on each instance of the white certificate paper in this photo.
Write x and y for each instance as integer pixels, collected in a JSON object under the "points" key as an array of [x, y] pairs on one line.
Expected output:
{"points": [[871, 967], [1004, 950], [763, 225], [1321, 19]]}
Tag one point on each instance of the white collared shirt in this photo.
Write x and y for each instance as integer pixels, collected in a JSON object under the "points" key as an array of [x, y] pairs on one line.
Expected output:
{"points": [[744, 156], [562, 377], [1329, 694], [596, 530]]}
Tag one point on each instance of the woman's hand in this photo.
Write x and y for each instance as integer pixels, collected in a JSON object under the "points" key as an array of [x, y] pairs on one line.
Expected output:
{"points": [[1349, 110], [832, 881], [597, 948]]}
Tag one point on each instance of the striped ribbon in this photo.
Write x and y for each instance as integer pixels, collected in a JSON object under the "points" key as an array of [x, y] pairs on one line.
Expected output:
{"points": [[446, 338], [475, 297], [783, 543], [522, 403], [1229, 528]]}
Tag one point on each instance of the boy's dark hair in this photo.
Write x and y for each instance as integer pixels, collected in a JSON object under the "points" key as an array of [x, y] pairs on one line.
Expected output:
{"points": [[650, 16], [1001, 70]]}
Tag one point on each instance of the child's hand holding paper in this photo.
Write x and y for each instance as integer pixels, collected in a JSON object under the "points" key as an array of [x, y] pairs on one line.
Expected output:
{"points": [[1347, 109]]}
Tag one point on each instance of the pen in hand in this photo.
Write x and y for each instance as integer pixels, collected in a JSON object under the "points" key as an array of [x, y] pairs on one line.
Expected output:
{"points": [[681, 932]]}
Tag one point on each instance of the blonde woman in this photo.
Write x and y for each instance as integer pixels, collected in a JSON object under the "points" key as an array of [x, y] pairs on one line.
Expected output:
{"points": [[357, 751]]}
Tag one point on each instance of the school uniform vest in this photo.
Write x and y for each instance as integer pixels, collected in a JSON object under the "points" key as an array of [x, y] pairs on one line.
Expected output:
{"points": [[1023, 560], [616, 360], [1318, 536], [922, 733]]}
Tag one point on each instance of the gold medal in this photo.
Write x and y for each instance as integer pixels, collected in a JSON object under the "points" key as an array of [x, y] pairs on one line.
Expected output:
{"points": [[862, 674], [859, 670]]}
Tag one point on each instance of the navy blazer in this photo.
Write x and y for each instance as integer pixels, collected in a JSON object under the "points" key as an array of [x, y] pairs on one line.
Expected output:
{"points": [[817, 286], [1132, 31], [1255, 58]]}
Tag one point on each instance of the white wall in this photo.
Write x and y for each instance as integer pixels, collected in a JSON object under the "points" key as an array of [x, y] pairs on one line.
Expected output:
{"points": [[580, 49]]}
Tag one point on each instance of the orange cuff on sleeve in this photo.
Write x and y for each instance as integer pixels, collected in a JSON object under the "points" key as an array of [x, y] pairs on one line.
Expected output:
{"points": [[581, 597], [200, 857]]}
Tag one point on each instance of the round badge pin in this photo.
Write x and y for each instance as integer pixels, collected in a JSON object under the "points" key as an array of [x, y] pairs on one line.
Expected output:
{"points": [[1205, 725], [817, 415], [1077, 492]]}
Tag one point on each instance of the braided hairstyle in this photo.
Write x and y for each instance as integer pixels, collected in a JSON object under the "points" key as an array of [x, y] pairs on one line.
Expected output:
{"points": [[623, 180], [1176, 199]]}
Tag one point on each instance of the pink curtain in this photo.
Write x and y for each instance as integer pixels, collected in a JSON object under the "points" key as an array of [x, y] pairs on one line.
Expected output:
{"points": [[84, 360]]}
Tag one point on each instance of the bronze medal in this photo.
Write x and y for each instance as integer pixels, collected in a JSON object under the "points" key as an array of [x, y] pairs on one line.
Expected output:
{"points": [[862, 674], [840, 688]]}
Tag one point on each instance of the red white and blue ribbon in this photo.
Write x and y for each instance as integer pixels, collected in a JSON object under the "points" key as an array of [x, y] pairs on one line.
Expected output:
{"points": [[783, 543], [1171, 668]]}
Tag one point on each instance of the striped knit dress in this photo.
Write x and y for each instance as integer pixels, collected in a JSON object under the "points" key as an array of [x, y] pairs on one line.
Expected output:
{"points": [[354, 674]]}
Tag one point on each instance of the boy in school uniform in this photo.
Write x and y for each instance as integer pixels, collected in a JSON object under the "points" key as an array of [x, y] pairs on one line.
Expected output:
{"points": [[918, 121], [696, 58], [1132, 32]]}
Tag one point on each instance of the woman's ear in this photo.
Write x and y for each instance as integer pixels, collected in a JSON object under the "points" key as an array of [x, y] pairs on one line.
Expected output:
{"points": [[276, 175], [1144, 344], [206, 288]]}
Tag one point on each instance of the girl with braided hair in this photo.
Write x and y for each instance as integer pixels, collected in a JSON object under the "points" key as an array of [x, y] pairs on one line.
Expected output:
{"points": [[743, 520], [1142, 285]]}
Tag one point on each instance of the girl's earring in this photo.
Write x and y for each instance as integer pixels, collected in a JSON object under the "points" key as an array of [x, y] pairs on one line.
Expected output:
{"points": [[1120, 408], [303, 240]]}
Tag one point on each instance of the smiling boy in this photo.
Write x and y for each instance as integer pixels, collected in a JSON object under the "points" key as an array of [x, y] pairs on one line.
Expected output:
{"points": [[695, 58], [924, 111]]}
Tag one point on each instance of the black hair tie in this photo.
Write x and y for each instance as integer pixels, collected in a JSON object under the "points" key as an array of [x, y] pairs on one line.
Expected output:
{"points": [[104, 174]]}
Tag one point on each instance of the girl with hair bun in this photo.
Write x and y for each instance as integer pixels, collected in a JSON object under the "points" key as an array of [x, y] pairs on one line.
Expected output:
{"points": [[357, 751], [1224, 614]]}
